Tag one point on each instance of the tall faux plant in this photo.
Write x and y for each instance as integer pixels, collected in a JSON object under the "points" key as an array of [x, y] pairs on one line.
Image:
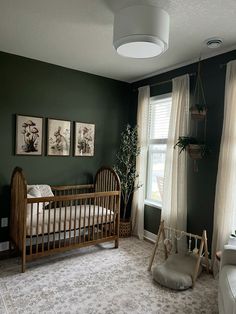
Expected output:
{"points": [[126, 164]]}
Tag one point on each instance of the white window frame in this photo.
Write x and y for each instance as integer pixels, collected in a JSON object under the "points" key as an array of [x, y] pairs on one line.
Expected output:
{"points": [[149, 201]]}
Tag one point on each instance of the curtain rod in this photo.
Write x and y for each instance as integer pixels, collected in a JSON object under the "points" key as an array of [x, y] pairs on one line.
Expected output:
{"points": [[165, 82]]}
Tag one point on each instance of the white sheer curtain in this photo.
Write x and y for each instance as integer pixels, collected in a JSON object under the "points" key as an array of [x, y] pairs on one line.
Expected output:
{"points": [[141, 161], [225, 195], [174, 207]]}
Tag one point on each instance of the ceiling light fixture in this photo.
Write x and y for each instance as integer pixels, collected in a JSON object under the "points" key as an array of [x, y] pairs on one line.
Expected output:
{"points": [[214, 43], [141, 31]]}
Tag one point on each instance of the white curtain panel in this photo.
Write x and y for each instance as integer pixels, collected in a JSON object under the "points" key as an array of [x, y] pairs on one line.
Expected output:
{"points": [[141, 161], [174, 207], [225, 195]]}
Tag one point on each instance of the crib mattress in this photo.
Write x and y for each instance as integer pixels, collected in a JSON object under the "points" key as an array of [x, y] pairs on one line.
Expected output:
{"points": [[67, 218]]}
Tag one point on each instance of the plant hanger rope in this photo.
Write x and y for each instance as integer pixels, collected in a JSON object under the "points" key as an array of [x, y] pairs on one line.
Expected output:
{"points": [[198, 94]]}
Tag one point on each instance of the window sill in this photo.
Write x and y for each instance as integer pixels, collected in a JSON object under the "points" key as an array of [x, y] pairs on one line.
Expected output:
{"points": [[153, 204]]}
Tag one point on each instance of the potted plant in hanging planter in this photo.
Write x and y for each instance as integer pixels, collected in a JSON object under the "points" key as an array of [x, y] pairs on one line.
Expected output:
{"points": [[198, 112], [195, 149], [126, 169]]}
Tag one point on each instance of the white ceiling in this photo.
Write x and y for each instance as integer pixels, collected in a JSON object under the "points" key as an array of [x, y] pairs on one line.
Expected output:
{"points": [[78, 33]]}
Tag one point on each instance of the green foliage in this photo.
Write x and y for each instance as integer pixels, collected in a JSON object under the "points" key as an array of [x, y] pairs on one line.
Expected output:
{"points": [[184, 141], [200, 108], [126, 164]]}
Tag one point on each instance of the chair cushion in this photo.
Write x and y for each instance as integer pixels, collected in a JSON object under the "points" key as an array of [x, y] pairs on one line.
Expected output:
{"points": [[176, 272]]}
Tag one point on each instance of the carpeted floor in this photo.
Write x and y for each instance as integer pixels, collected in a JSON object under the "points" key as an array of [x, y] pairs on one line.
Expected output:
{"points": [[99, 280]]}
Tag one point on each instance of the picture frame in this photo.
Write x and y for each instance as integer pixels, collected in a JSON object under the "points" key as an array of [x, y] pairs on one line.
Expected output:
{"points": [[58, 137], [84, 139], [29, 135]]}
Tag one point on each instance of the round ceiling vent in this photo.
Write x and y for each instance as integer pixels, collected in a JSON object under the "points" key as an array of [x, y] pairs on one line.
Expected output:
{"points": [[214, 43]]}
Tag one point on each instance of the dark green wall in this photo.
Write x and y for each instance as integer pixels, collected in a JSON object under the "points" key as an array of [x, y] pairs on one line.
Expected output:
{"points": [[31, 87], [201, 184]]}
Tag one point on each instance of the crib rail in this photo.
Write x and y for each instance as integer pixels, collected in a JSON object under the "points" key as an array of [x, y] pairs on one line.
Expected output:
{"points": [[54, 223], [72, 189]]}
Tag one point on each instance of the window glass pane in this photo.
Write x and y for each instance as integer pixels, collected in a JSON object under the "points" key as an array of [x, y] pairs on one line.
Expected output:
{"points": [[156, 165], [159, 118]]}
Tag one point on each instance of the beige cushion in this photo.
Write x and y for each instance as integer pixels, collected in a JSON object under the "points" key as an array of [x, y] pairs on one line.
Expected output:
{"points": [[176, 272], [34, 207], [40, 190], [33, 190]]}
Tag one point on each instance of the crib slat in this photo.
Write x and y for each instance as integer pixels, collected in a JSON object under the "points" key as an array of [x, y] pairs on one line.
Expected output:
{"points": [[110, 220], [60, 204], [89, 219], [79, 221], [31, 226], [75, 219], [54, 226], [109, 180], [113, 210], [43, 227], [93, 219], [106, 206], [49, 220], [37, 228], [98, 209], [70, 223], [100, 182], [102, 226], [65, 206], [85, 215]]}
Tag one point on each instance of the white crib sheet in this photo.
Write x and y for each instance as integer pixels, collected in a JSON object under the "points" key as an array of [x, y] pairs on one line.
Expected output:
{"points": [[71, 218]]}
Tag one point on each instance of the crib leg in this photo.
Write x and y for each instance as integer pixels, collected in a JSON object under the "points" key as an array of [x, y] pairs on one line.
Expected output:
{"points": [[23, 263], [23, 267], [23, 258], [116, 243]]}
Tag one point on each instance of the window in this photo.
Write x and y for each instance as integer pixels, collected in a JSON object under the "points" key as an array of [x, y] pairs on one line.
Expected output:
{"points": [[159, 118]]}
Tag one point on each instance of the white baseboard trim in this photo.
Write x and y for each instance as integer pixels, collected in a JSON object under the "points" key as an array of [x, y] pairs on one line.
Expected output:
{"points": [[4, 246], [150, 236]]}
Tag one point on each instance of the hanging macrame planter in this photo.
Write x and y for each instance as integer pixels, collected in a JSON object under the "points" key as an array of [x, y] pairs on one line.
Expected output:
{"points": [[198, 113], [195, 147], [196, 151], [199, 109]]}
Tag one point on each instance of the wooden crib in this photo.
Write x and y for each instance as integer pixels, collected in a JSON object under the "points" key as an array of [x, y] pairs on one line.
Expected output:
{"points": [[76, 216]]}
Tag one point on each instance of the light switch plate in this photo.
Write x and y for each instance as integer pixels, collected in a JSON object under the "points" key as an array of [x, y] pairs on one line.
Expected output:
{"points": [[4, 222], [4, 246]]}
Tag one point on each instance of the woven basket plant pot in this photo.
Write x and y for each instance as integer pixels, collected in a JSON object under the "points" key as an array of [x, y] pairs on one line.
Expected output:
{"points": [[197, 114], [125, 228], [195, 151]]}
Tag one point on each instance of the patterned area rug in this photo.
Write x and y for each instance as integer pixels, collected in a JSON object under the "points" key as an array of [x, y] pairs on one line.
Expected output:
{"points": [[99, 280]]}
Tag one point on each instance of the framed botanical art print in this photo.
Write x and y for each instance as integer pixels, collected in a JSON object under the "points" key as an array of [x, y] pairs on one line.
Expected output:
{"points": [[84, 139], [29, 135], [58, 139]]}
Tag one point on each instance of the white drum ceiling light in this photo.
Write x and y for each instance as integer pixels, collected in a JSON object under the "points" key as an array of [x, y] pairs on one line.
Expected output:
{"points": [[141, 31]]}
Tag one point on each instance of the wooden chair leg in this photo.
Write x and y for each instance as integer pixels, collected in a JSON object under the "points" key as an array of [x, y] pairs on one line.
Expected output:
{"points": [[161, 228], [116, 243], [206, 251], [198, 260]]}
